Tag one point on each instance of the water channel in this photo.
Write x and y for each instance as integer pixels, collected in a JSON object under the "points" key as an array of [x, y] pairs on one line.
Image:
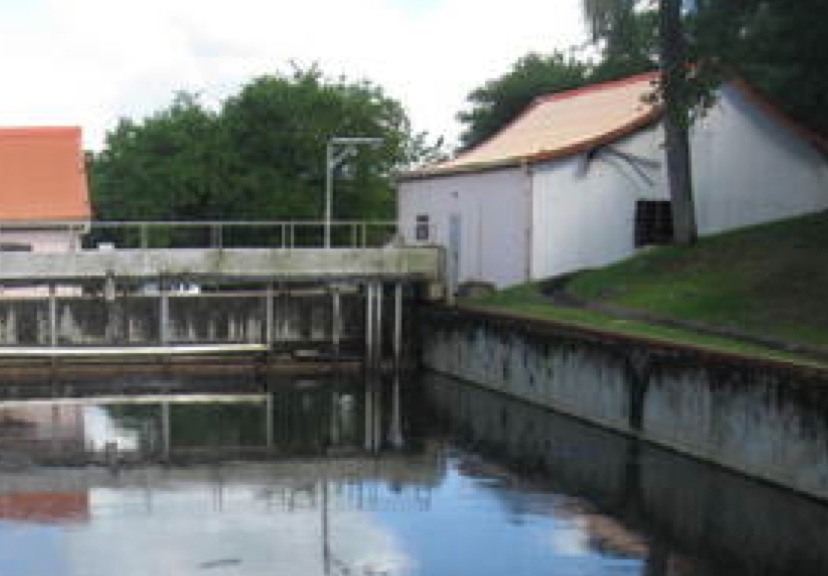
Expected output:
{"points": [[239, 475]]}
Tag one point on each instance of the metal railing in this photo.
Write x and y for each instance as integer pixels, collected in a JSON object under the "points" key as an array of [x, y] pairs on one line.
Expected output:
{"points": [[201, 234]]}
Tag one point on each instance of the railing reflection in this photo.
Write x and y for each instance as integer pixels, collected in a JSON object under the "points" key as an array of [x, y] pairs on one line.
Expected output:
{"points": [[337, 418]]}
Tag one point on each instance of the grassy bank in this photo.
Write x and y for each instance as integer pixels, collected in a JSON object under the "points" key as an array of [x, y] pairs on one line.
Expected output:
{"points": [[767, 282]]}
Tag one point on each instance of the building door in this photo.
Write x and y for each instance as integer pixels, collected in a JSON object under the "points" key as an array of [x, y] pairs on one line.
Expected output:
{"points": [[455, 238]]}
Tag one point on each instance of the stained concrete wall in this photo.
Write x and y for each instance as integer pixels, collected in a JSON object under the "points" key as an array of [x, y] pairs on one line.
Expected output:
{"points": [[687, 507], [193, 319], [767, 420]]}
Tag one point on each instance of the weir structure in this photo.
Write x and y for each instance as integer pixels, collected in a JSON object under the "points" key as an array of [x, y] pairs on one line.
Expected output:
{"points": [[189, 288]]}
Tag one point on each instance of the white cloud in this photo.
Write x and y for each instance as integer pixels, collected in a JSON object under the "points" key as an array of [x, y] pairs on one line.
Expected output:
{"points": [[90, 61]]}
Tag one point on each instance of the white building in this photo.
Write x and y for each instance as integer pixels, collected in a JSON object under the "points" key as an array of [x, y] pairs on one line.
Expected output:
{"points": [[579, 181], [44, 196]]}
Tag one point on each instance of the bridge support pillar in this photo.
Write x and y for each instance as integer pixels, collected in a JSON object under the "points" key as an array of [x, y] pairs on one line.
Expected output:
{"points": [[53, 322], [336, 320], [269, 314], [163, 313], [398, 321], [165, 430], [373, 364]]}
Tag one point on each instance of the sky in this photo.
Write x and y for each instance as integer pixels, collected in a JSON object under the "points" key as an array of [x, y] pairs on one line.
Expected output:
{"points": [[91, 62]]}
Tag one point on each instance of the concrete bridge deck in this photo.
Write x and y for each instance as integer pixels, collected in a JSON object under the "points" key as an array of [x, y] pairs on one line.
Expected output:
{"points": [[131, 271], [231, 264]]}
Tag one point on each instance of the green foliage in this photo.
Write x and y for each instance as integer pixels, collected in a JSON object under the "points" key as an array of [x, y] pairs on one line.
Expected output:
{"points": [[164, 167], [261, 156], [626, 32], [777, 45]]}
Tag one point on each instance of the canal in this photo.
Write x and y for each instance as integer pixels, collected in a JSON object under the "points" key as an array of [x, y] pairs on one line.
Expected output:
{"points": [[137, 475]]}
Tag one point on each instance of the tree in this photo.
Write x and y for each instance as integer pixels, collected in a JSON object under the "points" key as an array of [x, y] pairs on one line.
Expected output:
{"points": [[675, 91], [499, 100], [626, 33], [776, 45], [278, 128], [168, 166], [261, 156], [610, 19]]}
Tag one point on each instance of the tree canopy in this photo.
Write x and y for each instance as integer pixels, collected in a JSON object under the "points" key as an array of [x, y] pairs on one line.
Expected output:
{"points": [[260, 156], [776, 45]]}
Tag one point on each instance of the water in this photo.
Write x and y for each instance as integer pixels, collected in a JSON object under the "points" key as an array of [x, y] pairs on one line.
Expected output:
{"points": [[346, 478]]}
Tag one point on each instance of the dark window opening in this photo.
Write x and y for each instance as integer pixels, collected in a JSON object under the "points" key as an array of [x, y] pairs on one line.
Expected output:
{"points": [[421, 229], [15, 247], [653, 222]]}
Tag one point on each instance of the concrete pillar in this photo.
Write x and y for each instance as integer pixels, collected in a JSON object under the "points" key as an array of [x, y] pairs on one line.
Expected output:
{"points": [[398, 327], [269, 314], [368, 359], [336, 320], [163, 313], [378, 328], [53, 324], [166, 442]]}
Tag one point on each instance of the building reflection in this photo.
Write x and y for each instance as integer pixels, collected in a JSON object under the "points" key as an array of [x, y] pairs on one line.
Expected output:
{"points": [[330, 453], [322, 445]]}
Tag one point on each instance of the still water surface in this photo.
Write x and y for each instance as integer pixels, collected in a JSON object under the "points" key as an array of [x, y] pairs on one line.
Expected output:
{"points": [[352, 478]]}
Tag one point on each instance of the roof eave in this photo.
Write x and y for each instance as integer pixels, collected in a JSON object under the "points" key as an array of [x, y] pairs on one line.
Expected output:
{"points": [[639, 123]]}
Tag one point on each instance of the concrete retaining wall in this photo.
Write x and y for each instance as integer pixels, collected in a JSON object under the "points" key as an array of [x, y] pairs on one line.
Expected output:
{"points": [[687, 507], [767, 420]]}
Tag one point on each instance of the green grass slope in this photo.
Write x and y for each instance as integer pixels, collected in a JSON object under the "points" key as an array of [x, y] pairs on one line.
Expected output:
{"points": [[768, 281]]}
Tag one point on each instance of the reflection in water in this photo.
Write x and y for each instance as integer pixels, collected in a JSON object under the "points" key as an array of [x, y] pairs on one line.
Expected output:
{"points": [[344, 477], [686, 508]]}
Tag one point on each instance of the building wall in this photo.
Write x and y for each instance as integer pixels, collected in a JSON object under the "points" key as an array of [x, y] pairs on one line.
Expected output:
{"points": [[57, 240], [492, 211], [750, 168], [41, 240], [584, 207]]}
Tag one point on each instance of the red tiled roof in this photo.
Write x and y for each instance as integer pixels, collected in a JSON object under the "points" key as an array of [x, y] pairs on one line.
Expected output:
{"points": [[42, 175], [575, 121], [561, 124]]}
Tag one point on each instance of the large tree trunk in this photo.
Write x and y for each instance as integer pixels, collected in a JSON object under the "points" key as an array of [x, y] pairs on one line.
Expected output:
{"points": [[674, 69]]}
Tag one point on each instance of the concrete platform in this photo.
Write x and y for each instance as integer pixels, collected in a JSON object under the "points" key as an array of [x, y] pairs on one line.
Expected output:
{"points": [[122, 351], [253, 264]]}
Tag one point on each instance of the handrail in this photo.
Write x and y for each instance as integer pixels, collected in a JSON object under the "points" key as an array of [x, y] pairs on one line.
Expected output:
{"points": [[144, 234]]}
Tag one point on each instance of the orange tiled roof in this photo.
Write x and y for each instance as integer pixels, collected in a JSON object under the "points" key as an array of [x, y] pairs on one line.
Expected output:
{"points": [[561, 124], [42, 175]]}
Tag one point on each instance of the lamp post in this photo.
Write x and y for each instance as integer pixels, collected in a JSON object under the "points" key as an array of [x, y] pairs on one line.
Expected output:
{"points": [[333, 158]]}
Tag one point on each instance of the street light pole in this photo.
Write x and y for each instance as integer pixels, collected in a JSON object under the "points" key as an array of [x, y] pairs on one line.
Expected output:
{"points": [[334, 159]]}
